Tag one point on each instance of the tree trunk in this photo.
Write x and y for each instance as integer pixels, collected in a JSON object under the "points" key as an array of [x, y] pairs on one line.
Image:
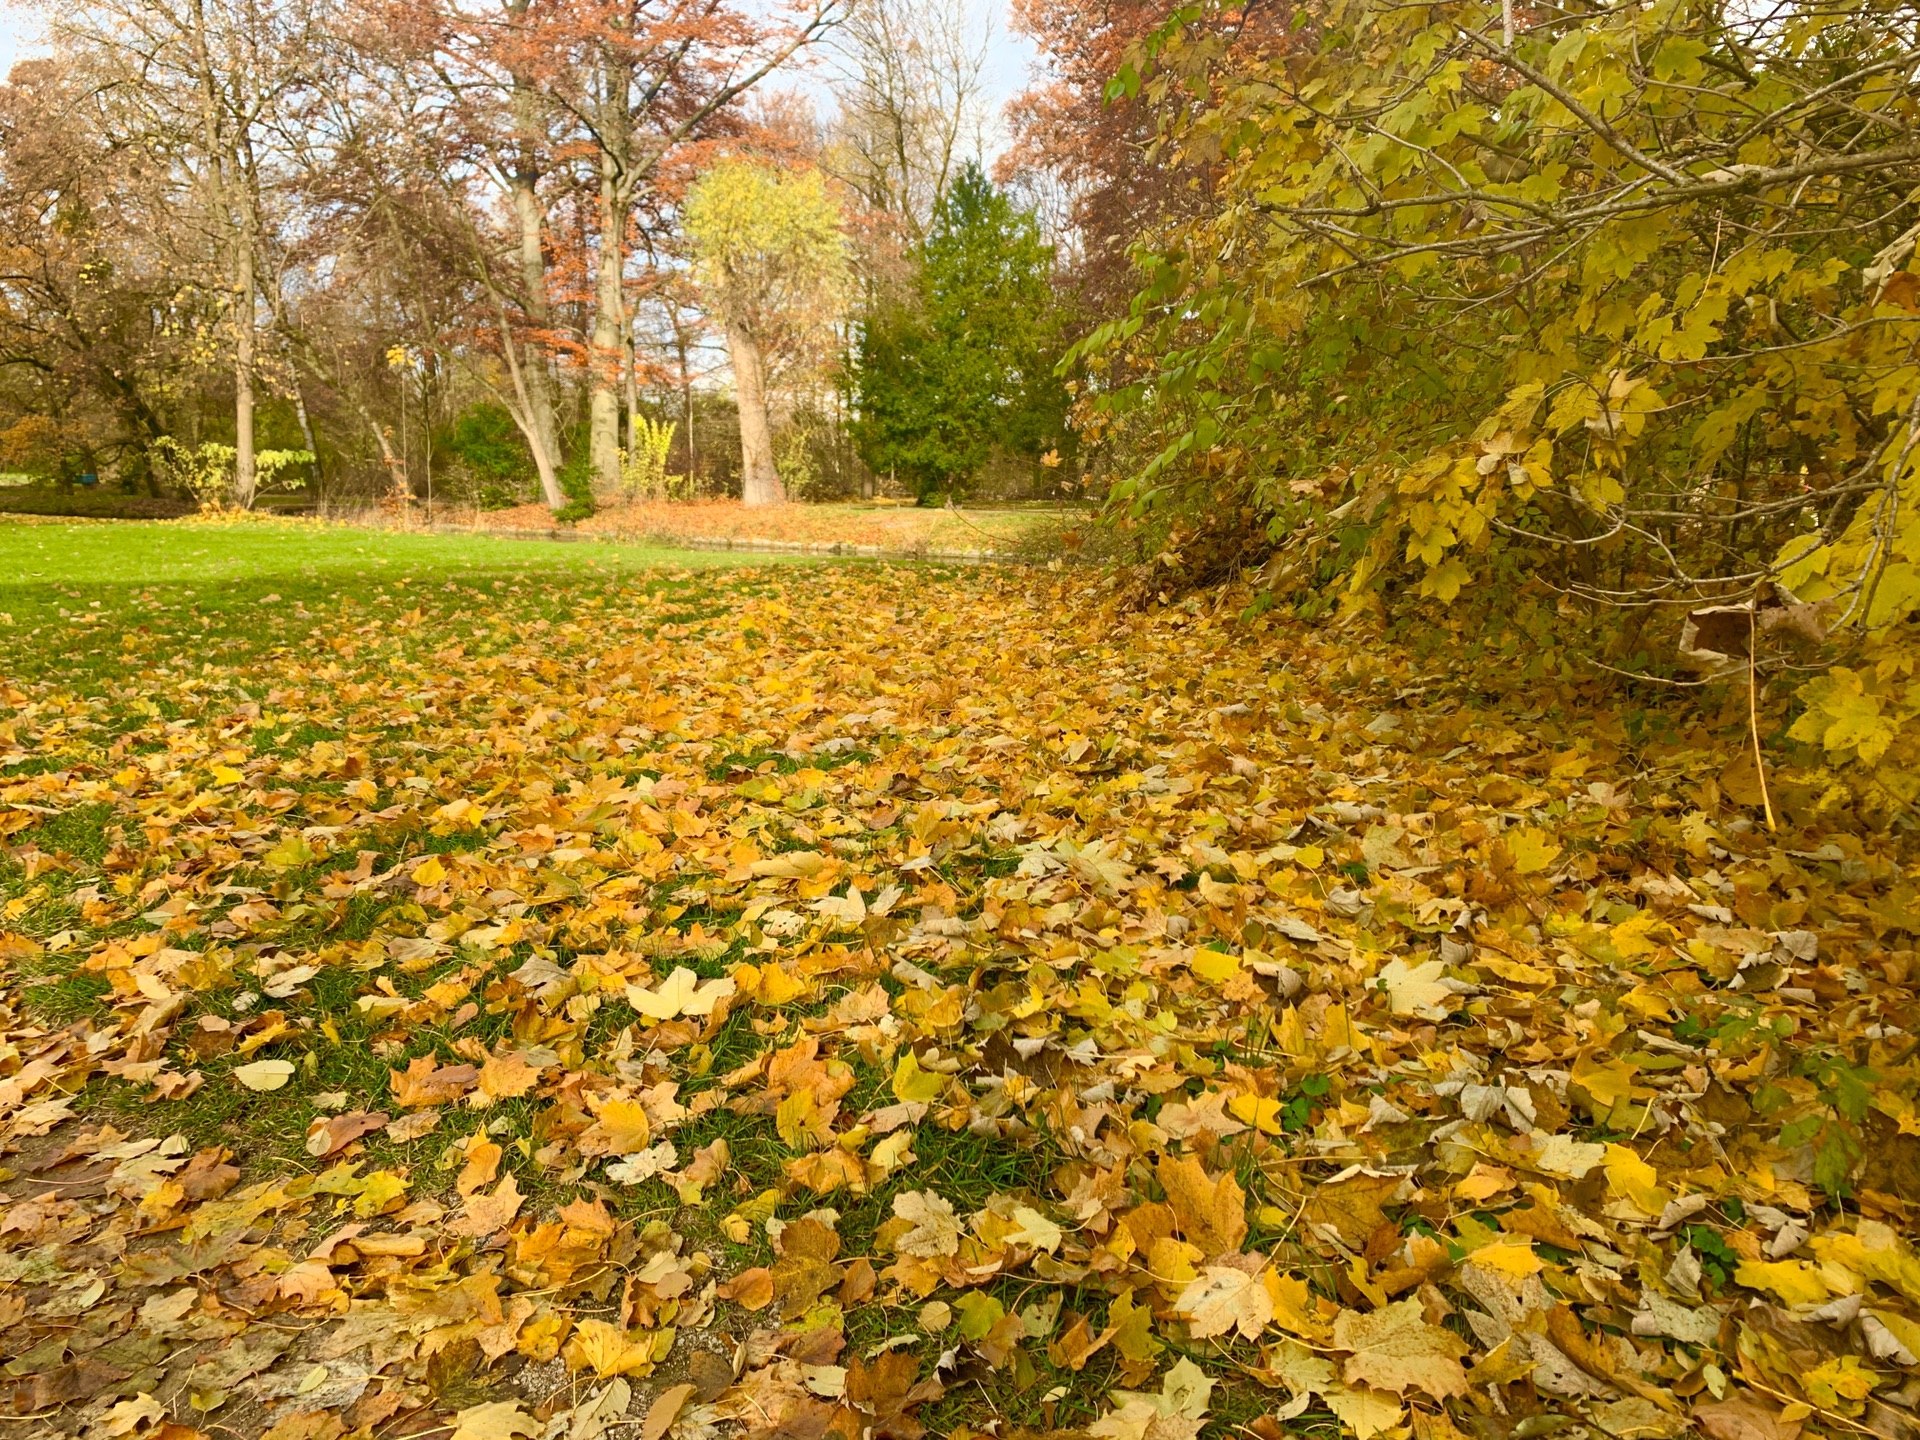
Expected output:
{"points": [[608, 329], [396, 467], [306, 424], [759, 481], [545, 462], [243, 472], [521, 404], [535, 376], [686, 403], [629, 371], [614, 132], [534, 383]]}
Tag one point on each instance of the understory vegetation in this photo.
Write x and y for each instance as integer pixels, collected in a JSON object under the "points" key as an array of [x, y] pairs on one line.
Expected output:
{"points": [[1603, 320]]}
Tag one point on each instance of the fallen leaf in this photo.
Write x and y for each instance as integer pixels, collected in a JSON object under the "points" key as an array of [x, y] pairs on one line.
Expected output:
{"points": [[664, 1411], [482, 1165], [486, 1214], [1212, 1214], [609, 1350], [1743, 1417], [264, 1074], [936, 1230], [1396, 1349], [330, 1134], [1225, 1299], [506, 1076], [681, 993], [495, 1420], [750, 1289]]}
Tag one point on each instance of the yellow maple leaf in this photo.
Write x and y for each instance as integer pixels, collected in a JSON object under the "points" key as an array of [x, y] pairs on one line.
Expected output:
{"points": [[608, 1350], [1533, 850], [1211, 1213], [800, 1123], [1259, 1111], [506, 1077], [911, 1083], [1215, 966], [495, 1420], [1366, 1412], [1224, 1299], [620, 1127], [1294, 1308], [681, 993], [1395, 1348], [1634, 1180], [1512, 1256]]}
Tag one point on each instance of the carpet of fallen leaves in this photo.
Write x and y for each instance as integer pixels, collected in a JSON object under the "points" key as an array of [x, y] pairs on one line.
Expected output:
{"points": [[904, 527], [858, 1002]]}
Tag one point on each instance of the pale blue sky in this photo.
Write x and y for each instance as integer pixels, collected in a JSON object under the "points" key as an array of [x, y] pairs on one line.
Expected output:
{"points": [[16, 32], [1009, 58]]}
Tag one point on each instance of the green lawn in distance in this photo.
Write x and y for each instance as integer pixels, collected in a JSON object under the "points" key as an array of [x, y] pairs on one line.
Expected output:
{"points": [[84, 602]]}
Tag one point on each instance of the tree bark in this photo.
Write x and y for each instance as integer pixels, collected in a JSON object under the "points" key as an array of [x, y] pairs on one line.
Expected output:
{"points": [[759, 481], [604, 414], [533, 379], [535, 376], [243, 471], [630, 375], [396, 467], [306, 424], [521, 408]]}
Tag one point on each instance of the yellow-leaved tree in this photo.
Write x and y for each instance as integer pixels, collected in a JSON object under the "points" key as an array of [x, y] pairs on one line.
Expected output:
{"points": [[771, 260], [1609, 314]]}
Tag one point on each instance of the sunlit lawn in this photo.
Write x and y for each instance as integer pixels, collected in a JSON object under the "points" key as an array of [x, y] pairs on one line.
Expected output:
{"points": [[81, 601]]}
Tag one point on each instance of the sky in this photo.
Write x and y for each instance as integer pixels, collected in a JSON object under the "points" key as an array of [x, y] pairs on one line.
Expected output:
{"points": [[16, 32], [1009, 57]]}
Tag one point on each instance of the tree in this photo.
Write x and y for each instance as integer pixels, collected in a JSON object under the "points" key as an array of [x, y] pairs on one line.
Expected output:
{"points": [[1089, 144], [910, 86], [1613, 309], [89, 322], [641, 79], [209, 88], [967, 363], [772, 263]]}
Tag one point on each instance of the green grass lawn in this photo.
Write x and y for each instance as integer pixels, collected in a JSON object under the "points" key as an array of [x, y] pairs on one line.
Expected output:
{"points": [[82, 602]]}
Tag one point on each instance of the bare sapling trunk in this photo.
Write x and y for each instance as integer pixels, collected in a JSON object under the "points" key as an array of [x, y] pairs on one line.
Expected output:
{"points": [[533, 272], [521, 370], [299, 395], [630, 375], [759, 481], [604, 415]]}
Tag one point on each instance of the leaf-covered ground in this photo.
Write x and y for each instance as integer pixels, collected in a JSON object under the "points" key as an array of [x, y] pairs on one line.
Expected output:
{"points": [[893, 527], [804, 1001]]}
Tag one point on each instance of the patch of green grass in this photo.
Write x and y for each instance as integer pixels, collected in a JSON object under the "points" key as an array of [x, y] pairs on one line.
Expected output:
{"points": [[85, 604], [80, 832], [70, 998]]}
